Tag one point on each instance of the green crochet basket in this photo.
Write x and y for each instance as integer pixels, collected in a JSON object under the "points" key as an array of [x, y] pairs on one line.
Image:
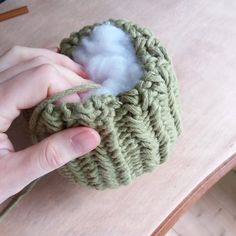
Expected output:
{"points": [[137, 128]]}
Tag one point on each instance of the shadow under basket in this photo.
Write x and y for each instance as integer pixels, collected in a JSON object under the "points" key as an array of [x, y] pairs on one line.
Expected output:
{"points": [[137, 128]]}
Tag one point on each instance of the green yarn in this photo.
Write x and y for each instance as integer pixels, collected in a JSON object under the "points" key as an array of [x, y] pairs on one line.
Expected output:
{"points": [[137, 128]]}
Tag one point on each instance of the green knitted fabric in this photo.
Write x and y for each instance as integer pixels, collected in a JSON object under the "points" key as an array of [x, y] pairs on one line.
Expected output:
{"points": [[137, 128]]}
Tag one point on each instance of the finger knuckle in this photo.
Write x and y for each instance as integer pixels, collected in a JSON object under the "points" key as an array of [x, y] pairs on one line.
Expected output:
{"points": [[66, 58], [52, 158], [47, 71], [15, 49], [42, 60]]}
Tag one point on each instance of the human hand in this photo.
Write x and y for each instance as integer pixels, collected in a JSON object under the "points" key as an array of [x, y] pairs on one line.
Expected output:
{"points": [[27, 76]]}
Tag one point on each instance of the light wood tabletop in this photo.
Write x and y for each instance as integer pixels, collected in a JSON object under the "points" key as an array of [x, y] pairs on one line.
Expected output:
{"points": [[200, 35]]}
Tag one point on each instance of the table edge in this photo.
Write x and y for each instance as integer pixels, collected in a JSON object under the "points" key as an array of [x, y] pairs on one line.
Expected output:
{"points": [[195, 195]]}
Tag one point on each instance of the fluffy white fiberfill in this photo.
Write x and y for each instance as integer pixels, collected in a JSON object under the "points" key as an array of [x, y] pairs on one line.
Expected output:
{"points": [[109, 59]]}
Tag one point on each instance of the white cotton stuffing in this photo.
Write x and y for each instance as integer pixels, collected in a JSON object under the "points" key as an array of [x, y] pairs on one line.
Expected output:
{"points": [[109, 59]]}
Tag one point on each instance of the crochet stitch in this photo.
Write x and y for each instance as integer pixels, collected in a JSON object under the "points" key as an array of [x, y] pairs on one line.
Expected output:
{"points": [[137, 128]]}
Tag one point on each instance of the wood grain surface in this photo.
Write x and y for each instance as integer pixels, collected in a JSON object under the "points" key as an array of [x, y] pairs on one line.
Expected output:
{"points": [[200, 35], [214, 214]]}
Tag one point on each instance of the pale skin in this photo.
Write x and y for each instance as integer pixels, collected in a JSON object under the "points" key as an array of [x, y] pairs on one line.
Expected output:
{"points": [[27, 76]]}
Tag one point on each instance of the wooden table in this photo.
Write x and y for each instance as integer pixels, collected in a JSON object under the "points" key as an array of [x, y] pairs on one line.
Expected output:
{"points": [[200, 36]]}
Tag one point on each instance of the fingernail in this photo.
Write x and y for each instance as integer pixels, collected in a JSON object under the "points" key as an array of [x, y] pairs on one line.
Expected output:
{"points": [[83, 74], [81, 71], [85, 141]]}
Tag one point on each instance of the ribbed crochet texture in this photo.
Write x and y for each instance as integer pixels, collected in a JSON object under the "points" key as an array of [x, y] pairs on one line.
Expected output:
{"points": [[137, 128]]}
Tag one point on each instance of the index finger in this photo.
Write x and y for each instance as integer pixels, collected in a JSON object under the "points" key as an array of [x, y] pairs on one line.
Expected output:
{"points": [[19, 54], [29, 88]]}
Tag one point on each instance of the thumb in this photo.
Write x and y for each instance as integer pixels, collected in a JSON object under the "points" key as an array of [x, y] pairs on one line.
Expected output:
{"points": [[50, 154]]}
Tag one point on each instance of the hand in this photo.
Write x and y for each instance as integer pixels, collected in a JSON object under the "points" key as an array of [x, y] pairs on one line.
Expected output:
{"points": [[27, 76]]}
